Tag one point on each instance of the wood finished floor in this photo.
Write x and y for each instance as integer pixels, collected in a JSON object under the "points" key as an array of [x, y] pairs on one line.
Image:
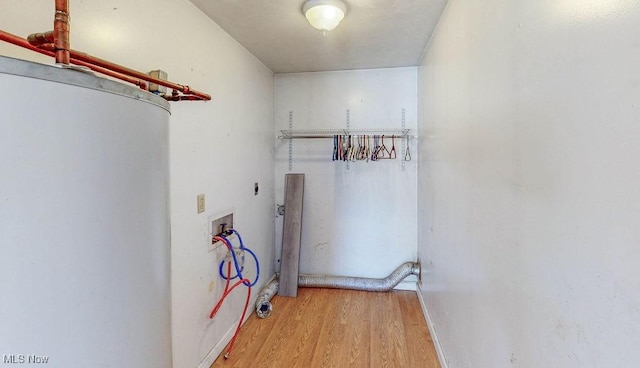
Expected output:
{"points": [[336, 328]]}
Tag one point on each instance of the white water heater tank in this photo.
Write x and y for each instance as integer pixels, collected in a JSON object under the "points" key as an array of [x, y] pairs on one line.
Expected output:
{"points": [[84, 221]]}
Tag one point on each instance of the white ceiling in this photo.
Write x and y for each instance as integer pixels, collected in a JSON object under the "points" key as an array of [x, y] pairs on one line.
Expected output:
{"points": [[373, 34]]}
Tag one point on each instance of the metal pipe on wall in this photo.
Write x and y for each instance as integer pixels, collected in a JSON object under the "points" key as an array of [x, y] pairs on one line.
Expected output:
{"points": [[59, 37], [264, 306], [61, 32], [56, 43], [39, 37], [133, 73]]}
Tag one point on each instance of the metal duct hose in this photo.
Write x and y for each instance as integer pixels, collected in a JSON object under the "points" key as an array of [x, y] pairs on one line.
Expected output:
{"points": [[264, 307], [263, 304]]}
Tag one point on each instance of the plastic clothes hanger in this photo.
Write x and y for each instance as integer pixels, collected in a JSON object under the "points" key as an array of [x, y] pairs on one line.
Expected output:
{"points": [[374, 151], [367, 151], [392, 153], [381, 151], [407, 153], [354, 151], [362, 154]]}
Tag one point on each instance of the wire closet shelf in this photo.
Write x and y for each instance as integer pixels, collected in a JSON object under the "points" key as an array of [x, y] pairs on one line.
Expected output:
{"points": [[330, 133]]}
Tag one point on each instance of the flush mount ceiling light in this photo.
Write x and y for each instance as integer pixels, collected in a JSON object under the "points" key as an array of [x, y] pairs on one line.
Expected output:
{"points": [[324, 15]]}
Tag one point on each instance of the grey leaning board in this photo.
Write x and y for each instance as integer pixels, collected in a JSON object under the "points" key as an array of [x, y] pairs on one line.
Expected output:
{"points": [[291, 233]]}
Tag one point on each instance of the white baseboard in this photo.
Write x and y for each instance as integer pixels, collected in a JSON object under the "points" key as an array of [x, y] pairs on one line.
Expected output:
{"points": [[406, 285], [432, 331], [217, 349]]}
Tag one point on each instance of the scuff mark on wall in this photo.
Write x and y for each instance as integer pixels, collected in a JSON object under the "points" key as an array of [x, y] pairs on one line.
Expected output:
{"points": [[319, 246]]}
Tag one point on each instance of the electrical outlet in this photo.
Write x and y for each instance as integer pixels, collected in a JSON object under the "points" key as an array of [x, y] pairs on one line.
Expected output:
{"points": [[201, 204]]}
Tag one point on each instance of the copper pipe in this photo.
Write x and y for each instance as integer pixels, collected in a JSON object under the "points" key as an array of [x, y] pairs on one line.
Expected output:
{"points": [[182, 98], [38, 39], [50, 49], [108, 68], [57, 43], [59, 36], [61, 32], [126, 71], [140, 83], [19, 41]]}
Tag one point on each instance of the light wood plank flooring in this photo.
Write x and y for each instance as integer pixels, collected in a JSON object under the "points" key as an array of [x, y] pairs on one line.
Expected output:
{"points": [[336, 328]]}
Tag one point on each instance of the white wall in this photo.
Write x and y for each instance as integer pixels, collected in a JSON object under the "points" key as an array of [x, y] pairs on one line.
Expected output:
{"points": [[219, 148], [529, 211], [359, 221]]}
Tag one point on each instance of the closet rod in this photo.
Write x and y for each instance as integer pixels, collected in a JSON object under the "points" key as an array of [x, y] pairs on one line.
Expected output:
{"points": [[286, 134], [360, 135]]}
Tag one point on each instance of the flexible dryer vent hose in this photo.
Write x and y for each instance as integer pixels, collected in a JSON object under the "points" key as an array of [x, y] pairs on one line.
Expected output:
{"points": [[264, 307]]}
